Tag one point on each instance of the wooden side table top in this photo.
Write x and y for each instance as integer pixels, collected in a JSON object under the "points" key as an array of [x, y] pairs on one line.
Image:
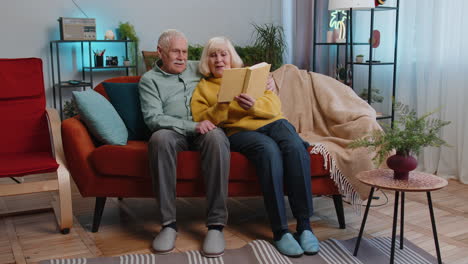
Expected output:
{"points": [[417, 181]]}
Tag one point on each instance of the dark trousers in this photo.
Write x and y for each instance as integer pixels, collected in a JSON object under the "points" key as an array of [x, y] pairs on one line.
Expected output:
{"points": [[163, 147], [279, 155]]}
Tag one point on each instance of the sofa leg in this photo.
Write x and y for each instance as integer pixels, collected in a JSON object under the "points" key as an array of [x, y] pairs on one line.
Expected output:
{"points": [[338, 201], [98, 209]]}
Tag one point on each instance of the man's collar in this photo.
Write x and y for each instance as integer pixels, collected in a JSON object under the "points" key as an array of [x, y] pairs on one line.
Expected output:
{"points": [[157, 67]]}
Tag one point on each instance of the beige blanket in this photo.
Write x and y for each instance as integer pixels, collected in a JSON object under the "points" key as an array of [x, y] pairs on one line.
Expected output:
{"points": [[329, 115]]}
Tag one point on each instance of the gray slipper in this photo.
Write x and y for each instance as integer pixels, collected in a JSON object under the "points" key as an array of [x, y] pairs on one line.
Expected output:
{"points": [[164, 241], [214, 244]]}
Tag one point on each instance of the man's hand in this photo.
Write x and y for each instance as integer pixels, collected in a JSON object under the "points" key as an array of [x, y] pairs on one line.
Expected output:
{"points": [[271, 85], [245, 101], [204, 127]]}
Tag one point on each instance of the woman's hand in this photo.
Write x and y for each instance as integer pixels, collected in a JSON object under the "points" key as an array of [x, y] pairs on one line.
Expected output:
{"points": [[204, 127], [245, 101]]}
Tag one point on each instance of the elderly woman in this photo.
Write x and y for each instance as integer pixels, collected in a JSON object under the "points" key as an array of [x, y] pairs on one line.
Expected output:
{"points": [[257, 129]]}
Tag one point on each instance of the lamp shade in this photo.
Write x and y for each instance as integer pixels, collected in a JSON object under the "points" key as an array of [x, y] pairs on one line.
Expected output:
{"points": [[347, 4]]}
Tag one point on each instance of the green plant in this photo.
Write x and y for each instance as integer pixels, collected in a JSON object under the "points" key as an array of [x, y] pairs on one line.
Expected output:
{"points": [[360, 55], [375, 98], [341, 72], [69, 109], [127, 31], [269, 39], [407, 136], [194, 52]]}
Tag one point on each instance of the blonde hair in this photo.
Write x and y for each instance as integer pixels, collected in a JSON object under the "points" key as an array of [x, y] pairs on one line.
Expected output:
{"points": [[214, 44], [164, 41]]}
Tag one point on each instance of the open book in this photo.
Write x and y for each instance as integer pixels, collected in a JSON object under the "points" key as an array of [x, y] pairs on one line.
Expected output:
{"points": [[251, 80]]}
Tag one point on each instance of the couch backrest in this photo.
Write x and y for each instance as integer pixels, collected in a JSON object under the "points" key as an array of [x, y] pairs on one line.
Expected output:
{"points": [[123, 79]]}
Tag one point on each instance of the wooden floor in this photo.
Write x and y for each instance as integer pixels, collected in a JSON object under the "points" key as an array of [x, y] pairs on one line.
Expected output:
{"points": [[129, 226]]}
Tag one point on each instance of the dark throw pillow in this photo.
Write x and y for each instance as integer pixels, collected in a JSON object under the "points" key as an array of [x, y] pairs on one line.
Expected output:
{"points": [[126, 101]]}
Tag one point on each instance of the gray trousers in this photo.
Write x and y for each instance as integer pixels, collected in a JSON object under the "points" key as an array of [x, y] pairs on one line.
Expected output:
{"points": [[163, 147]]}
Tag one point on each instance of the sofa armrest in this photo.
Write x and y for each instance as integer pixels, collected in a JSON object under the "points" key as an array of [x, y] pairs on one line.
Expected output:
{"points": [[78, 146]]}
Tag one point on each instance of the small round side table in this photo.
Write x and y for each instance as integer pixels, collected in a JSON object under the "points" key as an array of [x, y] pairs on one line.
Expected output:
{"points": [[417, 182]]}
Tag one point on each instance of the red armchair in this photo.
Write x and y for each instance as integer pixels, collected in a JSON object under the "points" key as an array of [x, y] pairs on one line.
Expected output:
{"points": [[30, 138], [122, 171]]}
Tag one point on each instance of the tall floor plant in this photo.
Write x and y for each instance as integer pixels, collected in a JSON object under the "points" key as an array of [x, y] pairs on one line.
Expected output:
{"points": [[270, 39]]}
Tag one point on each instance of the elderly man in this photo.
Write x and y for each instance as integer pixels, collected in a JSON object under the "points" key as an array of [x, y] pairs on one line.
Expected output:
{"points": [[165, 94]]}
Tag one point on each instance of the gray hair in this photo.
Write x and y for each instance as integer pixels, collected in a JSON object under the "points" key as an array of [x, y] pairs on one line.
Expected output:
{"points": [[165, 39]]}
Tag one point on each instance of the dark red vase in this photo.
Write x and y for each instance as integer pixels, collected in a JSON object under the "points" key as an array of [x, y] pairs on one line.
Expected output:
{"points": [[401, 165]]}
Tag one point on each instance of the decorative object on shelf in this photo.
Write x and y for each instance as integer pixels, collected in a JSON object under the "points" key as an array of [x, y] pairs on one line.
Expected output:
{"points": [[330, 36], [338, 16], [379, 2], [99, 58], [269, 39], [375, 98], [112, 61], [109, 35], [375, 42], [126, 61], [98, 61], [407, 136], [359, 58], [342, 74], [338, 23]]}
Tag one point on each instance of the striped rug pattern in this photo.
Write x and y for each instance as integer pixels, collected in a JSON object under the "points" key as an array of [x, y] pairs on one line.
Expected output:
{"points": [[332, 251]]}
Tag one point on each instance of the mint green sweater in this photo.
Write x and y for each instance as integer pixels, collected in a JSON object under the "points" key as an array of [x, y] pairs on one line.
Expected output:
{"points": [[165, 98]]}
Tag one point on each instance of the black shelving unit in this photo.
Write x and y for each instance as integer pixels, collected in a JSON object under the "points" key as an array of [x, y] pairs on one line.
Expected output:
{"points": [[349, 47], [86, 71]]}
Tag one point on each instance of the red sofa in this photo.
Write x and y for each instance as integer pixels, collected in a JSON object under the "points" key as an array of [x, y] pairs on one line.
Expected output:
{"points": [[103, 171]]}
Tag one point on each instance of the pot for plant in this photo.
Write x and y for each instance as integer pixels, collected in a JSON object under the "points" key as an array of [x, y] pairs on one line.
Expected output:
{"points": [[401, 165]]}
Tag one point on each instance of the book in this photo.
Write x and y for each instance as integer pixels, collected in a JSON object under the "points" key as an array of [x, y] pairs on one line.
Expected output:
{"points": [[250, 80]]}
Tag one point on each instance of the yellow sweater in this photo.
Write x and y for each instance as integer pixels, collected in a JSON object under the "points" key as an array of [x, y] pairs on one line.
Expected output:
{"points": [[231, 116]]}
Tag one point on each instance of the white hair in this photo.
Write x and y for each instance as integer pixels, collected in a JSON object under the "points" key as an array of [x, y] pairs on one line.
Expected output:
{"points": [[218, 43], [164, 41]]}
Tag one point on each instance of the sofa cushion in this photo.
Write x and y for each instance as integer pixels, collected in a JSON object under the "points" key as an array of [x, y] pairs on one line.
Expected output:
{"points": [[125, 99], [20, 164], [101, 118], [131, 160]]}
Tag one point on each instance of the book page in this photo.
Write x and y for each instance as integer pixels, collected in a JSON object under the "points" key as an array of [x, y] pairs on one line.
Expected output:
{"points": [[256, 79], [231, 84]]}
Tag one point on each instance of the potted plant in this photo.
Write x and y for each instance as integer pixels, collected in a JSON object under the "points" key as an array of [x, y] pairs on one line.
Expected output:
{"points": [[341, 73], [269, 38], [126, 61], [375, 98], [69, 109], [127, 31], [407, 137], [359, 58]]}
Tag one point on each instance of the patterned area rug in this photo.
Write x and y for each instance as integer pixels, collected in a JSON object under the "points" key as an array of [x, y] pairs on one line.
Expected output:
{"points": [[371, 251]]}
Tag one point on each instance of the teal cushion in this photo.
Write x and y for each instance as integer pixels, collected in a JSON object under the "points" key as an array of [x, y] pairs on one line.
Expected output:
{"points": [[125, 99], [100, 117]]}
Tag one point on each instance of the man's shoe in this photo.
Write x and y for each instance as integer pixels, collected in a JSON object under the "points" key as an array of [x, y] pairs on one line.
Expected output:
{"points": [[309, 242], [214, 244], [288, 246], [164, 241]]}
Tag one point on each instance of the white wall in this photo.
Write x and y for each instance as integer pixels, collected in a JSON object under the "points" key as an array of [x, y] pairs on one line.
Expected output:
{"points": [[27, 26]]}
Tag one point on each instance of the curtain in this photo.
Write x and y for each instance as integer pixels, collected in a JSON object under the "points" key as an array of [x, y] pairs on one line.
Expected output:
{"points": [[432, 72], [298, 19]]}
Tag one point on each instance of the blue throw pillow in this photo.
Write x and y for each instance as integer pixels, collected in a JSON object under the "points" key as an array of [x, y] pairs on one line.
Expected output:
{"points": [[126, 100], [100, 117]]}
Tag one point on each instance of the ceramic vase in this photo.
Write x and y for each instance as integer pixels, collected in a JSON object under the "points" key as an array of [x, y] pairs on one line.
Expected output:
{"points": [[401, 165]]}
